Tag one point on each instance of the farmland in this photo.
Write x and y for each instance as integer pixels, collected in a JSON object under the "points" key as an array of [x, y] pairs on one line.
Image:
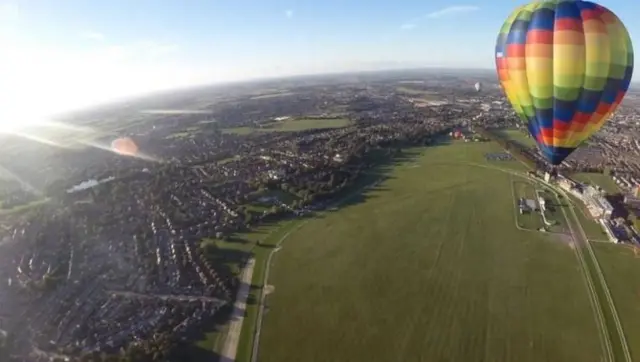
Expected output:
{"points": [[428, 268]]}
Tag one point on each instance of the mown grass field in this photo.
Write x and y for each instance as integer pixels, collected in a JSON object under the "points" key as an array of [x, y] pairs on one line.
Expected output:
{"points": [[429, 266], [621, 268]]}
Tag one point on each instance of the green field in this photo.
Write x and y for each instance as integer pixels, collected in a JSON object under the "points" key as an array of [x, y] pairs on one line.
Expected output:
{"points": [[416, 92], [602, 180], [419, 94], [301, 124], [621, 268], [212, 338], [187, 133], [429, 268], [517, 136], [530, 220], [591, 228]]}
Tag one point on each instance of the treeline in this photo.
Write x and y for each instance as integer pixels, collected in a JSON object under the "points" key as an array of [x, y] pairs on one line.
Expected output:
{"points": [[517, 150]]}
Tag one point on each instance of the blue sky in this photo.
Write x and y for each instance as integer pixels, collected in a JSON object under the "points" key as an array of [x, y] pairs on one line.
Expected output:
{"points": [[88, 52]]}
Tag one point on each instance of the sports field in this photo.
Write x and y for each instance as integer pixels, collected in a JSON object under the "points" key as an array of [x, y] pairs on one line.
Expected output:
{"points": [[429, 266]]}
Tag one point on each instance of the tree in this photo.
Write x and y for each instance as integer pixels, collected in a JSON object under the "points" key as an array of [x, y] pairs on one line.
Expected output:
{"points": [[248, 217]]}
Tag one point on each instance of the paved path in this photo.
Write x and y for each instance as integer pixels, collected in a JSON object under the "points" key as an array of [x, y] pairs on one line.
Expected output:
{"points": [[230, 347]]}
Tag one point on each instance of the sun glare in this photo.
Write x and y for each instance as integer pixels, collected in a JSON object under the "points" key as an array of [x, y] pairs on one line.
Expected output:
{"points": [[15, 116]]}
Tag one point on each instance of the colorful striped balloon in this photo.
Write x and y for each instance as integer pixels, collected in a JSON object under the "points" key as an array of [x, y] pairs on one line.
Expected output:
{"points": [[565, 66]]}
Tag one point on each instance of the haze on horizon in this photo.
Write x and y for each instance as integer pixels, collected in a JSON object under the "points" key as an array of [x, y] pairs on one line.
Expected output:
{"points": [[65, 55]]}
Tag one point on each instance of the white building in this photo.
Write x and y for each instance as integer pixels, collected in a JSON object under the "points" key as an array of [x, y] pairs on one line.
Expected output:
{"points": [[542, 203], [597, 204]]}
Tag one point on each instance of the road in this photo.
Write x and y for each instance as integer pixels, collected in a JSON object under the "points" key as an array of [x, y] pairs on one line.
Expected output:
{"points": [[232, 339]]}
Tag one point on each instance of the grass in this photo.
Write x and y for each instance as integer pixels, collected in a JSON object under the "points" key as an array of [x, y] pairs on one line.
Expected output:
{"points": [[417, 92], [428, 268], [517, 136], [24, 207], [621, 267], [554, 212], [591, 227], [602, 180], [532, 219], [213, 338], [275, 233], [293, 125]]}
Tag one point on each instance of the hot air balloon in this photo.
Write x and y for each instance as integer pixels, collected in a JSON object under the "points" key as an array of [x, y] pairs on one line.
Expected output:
{"points": [[565, 67], [478, 87], [124, 146]]}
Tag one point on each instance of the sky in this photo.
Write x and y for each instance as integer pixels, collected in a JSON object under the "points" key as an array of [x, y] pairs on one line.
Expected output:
{"points": [[58, 55]]}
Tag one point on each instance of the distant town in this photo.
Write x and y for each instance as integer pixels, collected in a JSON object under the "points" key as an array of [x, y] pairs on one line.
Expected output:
{"points": [[105, 257]]}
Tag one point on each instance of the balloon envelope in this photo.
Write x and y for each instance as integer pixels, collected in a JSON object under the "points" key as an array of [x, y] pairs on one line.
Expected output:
{"points": [[478, 86], [124, 146], [565, 66]]}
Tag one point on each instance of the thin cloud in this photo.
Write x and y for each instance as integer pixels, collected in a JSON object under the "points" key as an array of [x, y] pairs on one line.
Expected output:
{"points": [[9, 11], [408, 26], [452, 10], [93, 35], [289, 14]]}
